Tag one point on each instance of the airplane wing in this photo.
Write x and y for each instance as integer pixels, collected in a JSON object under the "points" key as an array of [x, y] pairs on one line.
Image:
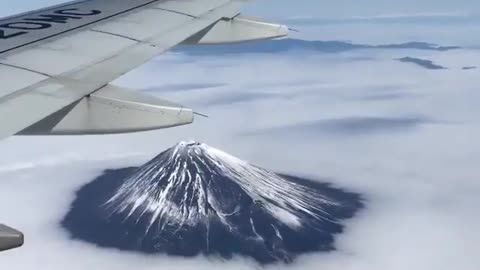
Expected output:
{"points": [[56, 63]]}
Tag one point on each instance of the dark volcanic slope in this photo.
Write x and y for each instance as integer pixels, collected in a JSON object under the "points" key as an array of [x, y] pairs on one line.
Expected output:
{"points": [[193, 199]]}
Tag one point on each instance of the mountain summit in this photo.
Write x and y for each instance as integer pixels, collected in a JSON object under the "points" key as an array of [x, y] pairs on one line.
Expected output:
{"points": [[193, 199]]}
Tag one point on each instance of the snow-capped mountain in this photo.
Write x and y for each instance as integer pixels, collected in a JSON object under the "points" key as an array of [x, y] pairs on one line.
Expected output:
{"points": [[194, 199]]}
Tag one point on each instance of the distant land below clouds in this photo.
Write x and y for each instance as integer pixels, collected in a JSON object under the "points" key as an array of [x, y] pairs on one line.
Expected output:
{"points": [[276, 46], [428, 64]]}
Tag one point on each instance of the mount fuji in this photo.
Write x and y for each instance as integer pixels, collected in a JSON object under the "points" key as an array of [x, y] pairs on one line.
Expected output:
{"points": [[193, 199]]}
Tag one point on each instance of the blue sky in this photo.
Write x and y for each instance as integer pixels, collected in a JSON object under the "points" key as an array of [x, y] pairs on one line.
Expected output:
{"points": [[316, 8], [352, 8]]}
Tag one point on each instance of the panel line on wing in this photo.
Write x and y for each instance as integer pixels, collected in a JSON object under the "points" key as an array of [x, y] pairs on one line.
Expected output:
{"points": [[174, 11], [26, 69], [117, 35]]}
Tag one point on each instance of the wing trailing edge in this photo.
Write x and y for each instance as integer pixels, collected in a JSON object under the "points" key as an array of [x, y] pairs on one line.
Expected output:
{"points": [[113, 110]]}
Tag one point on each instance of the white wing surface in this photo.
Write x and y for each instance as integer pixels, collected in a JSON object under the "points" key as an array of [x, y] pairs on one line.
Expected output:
{"points": [[56, 63]]}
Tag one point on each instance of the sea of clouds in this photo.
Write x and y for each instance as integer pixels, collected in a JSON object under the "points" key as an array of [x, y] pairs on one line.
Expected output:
{"points": [[403, 136]]}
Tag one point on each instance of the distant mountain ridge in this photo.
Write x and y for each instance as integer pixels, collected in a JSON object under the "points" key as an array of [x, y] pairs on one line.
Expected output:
{"points": [[276, 46]]}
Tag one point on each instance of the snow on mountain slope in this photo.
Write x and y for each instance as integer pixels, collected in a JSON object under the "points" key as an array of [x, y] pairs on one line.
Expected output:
{"points": [[194, 199]]}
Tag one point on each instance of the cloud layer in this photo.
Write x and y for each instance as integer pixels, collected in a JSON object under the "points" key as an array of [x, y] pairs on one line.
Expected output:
{"points": [[400, 134]]}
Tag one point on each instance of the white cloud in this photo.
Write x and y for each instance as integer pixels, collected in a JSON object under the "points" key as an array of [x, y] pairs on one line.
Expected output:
{"points": [[414, 15], [421, 183]]}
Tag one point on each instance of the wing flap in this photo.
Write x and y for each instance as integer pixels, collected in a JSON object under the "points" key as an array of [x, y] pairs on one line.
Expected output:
{"points": [[113, 110]]}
